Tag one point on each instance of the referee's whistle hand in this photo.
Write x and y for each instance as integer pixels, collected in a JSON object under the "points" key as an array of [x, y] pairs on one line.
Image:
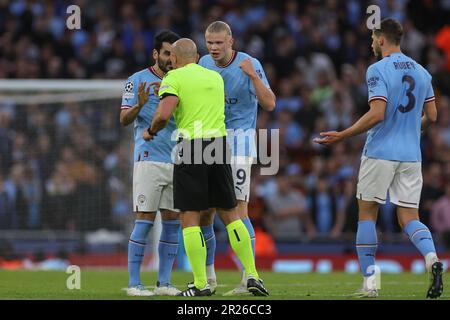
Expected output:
{"points": [[147, 136]]}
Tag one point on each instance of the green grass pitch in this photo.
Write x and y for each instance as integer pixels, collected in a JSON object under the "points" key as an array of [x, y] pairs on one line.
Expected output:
{"points": [[101, 285]]}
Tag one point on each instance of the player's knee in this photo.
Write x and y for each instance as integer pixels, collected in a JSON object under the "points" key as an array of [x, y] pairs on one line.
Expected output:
{"points": [[228, 215], [190, 219], [406, 215], [169, 215], [242, 209], [150, 216], [368, 210], [207, 217]]}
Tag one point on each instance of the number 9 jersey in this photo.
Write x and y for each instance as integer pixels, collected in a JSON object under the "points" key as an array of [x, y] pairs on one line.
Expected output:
{"points": [[405, 86]]}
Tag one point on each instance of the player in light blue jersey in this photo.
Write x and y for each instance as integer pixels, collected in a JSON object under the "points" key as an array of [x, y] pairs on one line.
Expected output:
{"points": [[246, 86], [402, 104], [153, 171]]}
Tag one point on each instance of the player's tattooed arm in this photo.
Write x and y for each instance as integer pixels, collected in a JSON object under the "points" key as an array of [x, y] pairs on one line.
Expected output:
{"points": [[266, 98], [127, 116]]}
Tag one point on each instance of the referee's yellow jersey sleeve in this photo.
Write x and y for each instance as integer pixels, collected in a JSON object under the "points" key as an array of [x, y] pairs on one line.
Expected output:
{"points": [[169, 85]]}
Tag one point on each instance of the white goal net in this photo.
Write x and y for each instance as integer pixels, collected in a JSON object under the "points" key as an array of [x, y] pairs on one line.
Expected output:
{"points": [[66, 171]]}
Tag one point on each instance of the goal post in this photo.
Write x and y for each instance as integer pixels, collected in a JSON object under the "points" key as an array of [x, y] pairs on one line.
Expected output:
{"points": [[68, 167]]}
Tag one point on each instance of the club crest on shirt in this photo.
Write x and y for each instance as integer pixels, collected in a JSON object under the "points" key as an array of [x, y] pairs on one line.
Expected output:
{"points": [[141, 199]]}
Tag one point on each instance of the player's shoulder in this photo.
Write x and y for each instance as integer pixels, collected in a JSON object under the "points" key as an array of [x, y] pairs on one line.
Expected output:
{"points": [[133, 81], [145, 73], [242, 56], [206, 60], [377, 66]]}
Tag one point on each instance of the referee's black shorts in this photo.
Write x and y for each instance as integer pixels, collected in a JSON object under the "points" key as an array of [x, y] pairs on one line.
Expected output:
{"points": [[200, 186]]}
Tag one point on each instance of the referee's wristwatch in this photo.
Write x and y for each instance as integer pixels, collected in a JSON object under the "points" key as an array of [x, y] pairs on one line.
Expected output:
{"points": [[150, 132]]}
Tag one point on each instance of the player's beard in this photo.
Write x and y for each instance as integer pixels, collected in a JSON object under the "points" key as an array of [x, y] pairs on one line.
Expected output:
{"points": [[165, 67], [378, 54]]}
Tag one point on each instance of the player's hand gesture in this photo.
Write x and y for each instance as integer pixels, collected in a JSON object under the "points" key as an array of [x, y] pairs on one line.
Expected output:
{"points": [[155, 86], [146, 135], [247, 67], [143, 94], [329, 138]]}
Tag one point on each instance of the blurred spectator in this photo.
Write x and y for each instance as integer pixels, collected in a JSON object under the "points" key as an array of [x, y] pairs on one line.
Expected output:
{"points": [[337, 108], [431, 190], [287, 98], [286, 218], [6, 144], [325, 210], [6, 206], [437, 67], [60, 190], [256, 205], [440, 217], [444, 120], [349, 207], [413, 40], [291, 134], [14, 188], [32, 193]]}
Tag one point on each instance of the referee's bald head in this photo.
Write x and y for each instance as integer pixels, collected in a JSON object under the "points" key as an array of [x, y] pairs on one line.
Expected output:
{"points": [[185, 50]]}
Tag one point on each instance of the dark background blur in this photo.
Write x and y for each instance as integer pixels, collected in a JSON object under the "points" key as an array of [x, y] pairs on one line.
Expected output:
{"points": [[69, 166]]}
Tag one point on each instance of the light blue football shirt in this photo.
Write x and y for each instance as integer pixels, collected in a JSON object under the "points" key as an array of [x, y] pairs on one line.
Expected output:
{"points": [[405, 85], [241, 104], [160, 148]]}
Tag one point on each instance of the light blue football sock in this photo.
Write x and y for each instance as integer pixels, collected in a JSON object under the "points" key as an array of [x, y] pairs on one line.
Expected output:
{"points": [[251, 231], [420, 236], [168, 250], [210, 241], [366, 246], [136, 249]]}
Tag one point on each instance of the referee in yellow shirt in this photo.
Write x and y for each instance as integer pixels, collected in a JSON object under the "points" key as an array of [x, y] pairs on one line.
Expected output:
{"points": [[196, 98]]}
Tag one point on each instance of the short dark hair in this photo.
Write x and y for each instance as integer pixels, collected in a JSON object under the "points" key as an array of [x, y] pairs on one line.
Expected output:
{"points": [[391, 29], [164, 36]]}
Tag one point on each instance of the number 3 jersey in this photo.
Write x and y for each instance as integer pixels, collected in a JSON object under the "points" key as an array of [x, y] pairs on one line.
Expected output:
{"points": [[405, 86]]}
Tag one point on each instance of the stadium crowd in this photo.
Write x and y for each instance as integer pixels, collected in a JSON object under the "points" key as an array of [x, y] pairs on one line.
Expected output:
{"points": [[69, 166]]}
